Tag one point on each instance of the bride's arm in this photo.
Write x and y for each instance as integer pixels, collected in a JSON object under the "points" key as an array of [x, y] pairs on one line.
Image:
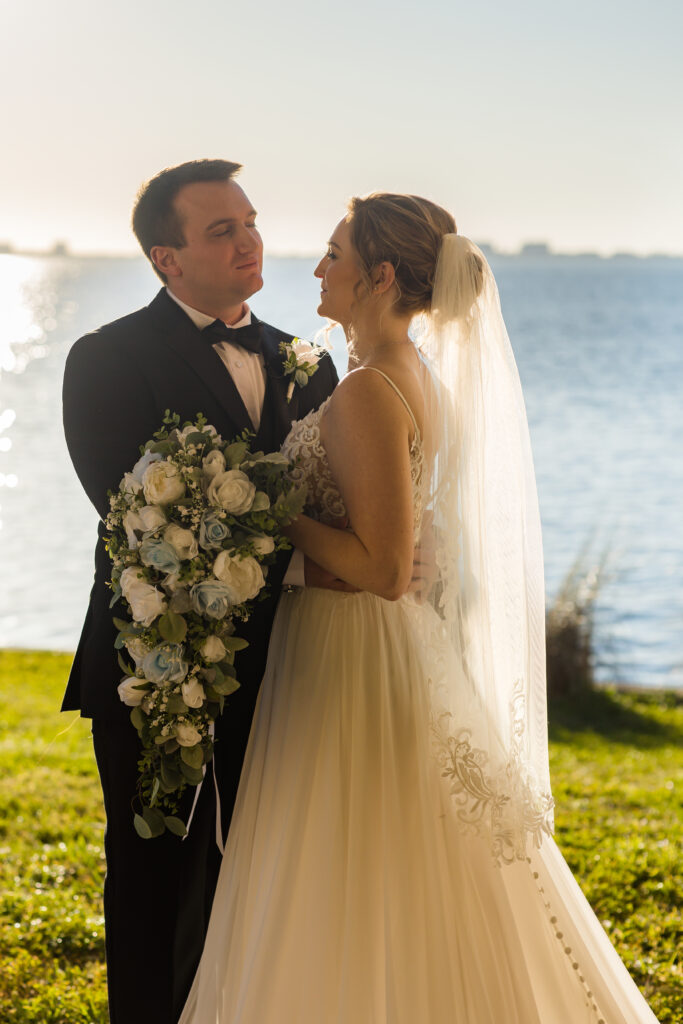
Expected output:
{"points": [[366, 432]]}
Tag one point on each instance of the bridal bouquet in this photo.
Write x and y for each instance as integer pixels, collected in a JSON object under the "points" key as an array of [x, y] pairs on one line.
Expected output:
{"points": [[191, 531]]}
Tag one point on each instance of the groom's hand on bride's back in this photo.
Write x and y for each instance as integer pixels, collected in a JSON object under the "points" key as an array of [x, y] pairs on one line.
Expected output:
{"points": [[425, 570]]}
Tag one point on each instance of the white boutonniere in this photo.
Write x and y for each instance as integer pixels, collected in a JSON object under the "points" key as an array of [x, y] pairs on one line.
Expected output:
{"points": [[301, 360]]}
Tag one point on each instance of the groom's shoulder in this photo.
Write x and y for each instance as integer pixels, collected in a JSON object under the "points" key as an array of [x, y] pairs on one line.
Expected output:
{"points": [[117, 335]]}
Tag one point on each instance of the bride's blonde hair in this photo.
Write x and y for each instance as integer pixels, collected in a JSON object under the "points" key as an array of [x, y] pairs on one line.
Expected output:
{"points": [[406, 231]]}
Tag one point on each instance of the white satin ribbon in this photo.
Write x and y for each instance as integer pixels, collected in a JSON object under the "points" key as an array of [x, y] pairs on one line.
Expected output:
{"points": [[219, 833]]}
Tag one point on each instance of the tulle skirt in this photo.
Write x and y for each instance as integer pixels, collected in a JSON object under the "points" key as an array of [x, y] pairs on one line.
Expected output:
{"points": [[348, 893]]}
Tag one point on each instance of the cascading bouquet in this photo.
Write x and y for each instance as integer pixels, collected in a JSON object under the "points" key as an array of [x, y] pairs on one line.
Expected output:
{"points": [[191, 531]]}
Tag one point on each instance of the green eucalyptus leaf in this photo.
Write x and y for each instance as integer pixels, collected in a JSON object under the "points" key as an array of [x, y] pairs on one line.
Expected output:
{"points": [[154, 820], [141, 827], [235, 643], [226, 686], [164, 447], [137, 717], [176, 705], [126, 668], [175, 825], [198, 438], [235, 453], [261, 502], [172, 627], [170, 776], [193, 775], [192, 756]]}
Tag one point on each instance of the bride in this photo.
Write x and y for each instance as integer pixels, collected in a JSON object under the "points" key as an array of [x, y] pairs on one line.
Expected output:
{"points": [[390, 858]]}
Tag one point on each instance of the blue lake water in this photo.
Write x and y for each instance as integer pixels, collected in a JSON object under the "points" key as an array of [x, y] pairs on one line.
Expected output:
{"points": [[599, 345]]}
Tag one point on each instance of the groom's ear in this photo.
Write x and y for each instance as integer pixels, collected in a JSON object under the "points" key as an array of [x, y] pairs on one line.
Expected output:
{"points": [[164, 259]]}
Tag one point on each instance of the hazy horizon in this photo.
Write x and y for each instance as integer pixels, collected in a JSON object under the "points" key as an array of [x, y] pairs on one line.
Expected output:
{"points": [[539, 249]]}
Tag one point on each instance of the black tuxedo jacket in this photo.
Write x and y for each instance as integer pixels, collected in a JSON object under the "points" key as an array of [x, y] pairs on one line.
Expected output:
{"points": [[118, 383]]}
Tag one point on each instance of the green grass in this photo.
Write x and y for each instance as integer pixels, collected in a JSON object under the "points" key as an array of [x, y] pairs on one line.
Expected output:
{"points": [[617, 766]]}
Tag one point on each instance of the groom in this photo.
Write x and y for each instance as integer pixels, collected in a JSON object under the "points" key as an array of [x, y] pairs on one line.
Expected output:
{"points": [[196, 348]]}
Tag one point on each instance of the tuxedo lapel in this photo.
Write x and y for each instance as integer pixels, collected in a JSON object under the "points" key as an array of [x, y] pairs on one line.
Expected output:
{"points": [[278, 413], [180, 334]]}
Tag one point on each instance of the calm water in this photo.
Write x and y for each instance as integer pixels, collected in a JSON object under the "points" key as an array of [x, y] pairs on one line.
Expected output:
{"points": [[600, 350]]}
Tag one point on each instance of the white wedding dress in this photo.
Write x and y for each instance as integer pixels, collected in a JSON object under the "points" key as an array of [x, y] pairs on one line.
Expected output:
{"points": [[348, 893]]}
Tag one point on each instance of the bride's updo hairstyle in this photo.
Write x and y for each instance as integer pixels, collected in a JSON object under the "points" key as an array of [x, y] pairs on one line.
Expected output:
{"points": [[408, 232]]}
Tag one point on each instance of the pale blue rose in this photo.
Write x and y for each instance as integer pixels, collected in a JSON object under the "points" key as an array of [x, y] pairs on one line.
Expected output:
{"points": [[211, 598], [160, 555], [165, 664], [212, 532]]}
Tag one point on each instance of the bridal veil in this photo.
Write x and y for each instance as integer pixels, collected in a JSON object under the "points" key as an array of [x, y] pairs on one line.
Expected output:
{"points": [[487, 632]]}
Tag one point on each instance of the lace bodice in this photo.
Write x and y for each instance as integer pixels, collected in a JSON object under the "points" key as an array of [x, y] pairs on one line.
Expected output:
{"points": [[304, 445]]}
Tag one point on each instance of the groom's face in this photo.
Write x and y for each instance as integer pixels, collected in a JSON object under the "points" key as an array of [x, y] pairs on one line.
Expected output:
{"points": [[220, 264]]}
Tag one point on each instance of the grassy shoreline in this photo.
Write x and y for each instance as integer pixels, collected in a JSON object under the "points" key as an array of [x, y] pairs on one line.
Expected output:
{"points": [[617, 771]]}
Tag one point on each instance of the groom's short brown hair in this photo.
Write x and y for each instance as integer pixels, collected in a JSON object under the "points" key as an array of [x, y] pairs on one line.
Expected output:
{"points": [[155, 219]]}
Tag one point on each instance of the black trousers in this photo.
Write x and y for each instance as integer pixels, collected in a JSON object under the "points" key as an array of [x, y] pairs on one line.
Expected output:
{"points": [[157, 892]]}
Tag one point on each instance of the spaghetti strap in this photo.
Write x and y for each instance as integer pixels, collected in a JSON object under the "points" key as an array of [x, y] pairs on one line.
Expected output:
{"points": [[399, 393]]}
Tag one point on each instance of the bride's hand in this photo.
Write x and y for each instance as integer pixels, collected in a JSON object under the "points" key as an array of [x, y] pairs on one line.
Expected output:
{"points": [[316, 576]]}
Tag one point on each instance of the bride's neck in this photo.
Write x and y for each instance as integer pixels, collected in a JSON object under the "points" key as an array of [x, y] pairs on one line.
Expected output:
{"points": [[378, 337]]}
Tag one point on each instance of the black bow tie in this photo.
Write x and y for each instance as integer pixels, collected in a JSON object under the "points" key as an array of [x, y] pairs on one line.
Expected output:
{"points": [[248, 337]]}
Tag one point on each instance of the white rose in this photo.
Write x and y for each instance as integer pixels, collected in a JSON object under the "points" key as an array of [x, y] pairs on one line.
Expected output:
{"points": [[187, 735], [182, 541], [213, 463], [306, 352], [213, 649], [263, 545], [233, 490], [151, 517], [127, 692], [243, 576], [137, 649], [162, 483], [193, 693], [145, 601], [129, 485], [182, 435], [131, 523]]}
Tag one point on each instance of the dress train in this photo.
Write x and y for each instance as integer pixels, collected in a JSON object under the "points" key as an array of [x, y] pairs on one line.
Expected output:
{"points": [[348, 893]]}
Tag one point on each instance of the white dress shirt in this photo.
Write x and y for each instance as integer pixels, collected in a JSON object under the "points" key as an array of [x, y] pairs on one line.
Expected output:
{"points": [[246, 368], [248, 371]]}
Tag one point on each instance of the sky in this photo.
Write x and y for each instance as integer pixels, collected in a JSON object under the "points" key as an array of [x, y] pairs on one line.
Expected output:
{"points": [[532, 121]]}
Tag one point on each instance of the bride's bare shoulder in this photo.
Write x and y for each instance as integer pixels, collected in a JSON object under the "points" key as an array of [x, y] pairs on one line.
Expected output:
{"points": [[370, 391], [363, 396]]}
